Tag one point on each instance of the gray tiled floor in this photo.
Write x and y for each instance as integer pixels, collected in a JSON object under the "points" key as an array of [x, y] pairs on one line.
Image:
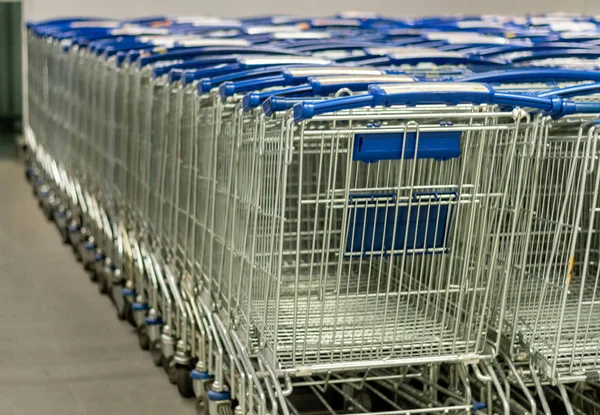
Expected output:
{"points": [[62, 350]]}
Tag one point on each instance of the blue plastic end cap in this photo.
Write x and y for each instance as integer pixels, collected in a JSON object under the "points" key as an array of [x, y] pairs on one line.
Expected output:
{"points": [[478, 406], [157, 72], [175, 75], [98, 257], [139, 306], [195, 374], [127, 292], [73, 229], [187, 77], [250, 101], [89, 246], [61, 213], [226, 89], [205, 85], [303, 111], [219, 396], [154, 321], [134, 56], [120, 58]]}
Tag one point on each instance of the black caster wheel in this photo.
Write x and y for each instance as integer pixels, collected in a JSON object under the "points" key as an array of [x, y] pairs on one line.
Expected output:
{"points": [[122, 314], [185, 385], [103, 285], [120, 304], [143, 339], [202, 405], [93, 275], [64, 237], [129, 315], [170, 369], [157, 356], [76, 253]]}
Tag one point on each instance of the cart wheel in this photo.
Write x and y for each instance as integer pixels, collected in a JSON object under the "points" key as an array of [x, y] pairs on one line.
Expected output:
{"points": [[64, 236], [129, 315], [104, 287], [170, 369], [202, 405], [185, 385], [157, 356], [92, 271], [143, 338], [121, 309], [101, 280]]}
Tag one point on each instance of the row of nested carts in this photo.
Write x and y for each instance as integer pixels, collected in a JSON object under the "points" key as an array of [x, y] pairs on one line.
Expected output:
{"points": [[351, 214]]}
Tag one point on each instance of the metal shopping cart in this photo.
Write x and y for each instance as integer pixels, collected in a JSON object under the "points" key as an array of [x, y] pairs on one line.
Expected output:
{"points": [[309, 342]]}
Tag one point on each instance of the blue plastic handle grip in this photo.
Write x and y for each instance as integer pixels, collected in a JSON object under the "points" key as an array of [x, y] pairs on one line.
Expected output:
{"points": [[255, 99], [315, 87], [212, 50], [443, 60], [562, 53], [209, 83], [532, 75], [330, 85], [307, 110], [541, 46], [228, 89], [431, 93], [572, 91], [289, 77], [193, 65], [332, 45], [441, 93], [278, 104]]}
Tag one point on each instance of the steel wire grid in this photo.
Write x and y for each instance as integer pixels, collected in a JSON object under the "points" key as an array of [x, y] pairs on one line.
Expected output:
{"points": [[552, 291], [314, 301]]}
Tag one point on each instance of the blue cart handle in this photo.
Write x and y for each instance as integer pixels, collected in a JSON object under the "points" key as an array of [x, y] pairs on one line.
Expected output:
{"points": [[436, 57], [537, 47], [206, 84], [329, 85], [242, 64], [204, 42], [293, 76], [532, 75], [279, 104], [440, 58], [323, 86], [561, 53], [333, 45], [572, 91], [211, 50], [451, 93]]}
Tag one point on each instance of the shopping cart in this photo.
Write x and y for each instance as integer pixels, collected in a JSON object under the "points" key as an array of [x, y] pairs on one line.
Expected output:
{"points": [[252, 215]]}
